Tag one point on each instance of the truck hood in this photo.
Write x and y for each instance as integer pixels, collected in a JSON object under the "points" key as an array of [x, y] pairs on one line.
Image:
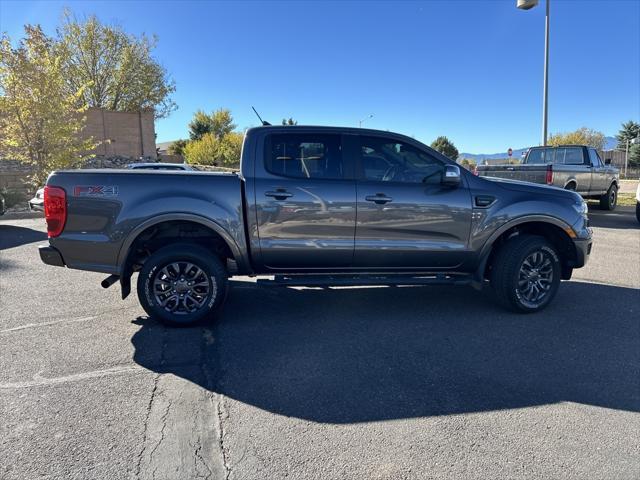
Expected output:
{"points": [[535, 188]]}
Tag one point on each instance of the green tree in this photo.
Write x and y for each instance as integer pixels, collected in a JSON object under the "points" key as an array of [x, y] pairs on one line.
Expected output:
{"points": [[446, 147], [468, 163], [219, 123], [177, 147], [290, 121], [634, 155], [211, 150], [629, 131], [117, 69], [41, 118], [582, 136]]}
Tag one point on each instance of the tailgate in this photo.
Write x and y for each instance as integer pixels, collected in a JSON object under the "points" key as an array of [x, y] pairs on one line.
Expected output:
{"points": [[524, 173]]}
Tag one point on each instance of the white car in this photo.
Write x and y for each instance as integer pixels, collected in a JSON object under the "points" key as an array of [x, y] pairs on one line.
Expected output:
{"points": [[36, 204], [638, 203]]}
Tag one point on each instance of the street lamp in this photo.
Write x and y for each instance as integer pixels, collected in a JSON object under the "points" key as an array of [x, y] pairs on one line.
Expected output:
{"points": [[365, 118], [526, 5]]}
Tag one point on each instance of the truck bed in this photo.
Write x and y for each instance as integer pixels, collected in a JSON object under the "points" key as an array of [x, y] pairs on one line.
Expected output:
{"points": [[107, 207]]}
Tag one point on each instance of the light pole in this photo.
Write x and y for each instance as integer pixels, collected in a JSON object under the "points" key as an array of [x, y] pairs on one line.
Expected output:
{"points": [[365, 118], [526, 5], [632, 141]]}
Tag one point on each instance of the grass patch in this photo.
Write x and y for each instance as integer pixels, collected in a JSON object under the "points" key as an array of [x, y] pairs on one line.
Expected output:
{"points": [[624, 200], [627, 199]]}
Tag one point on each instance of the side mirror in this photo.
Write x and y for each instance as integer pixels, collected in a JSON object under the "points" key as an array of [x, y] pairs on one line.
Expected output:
{"points": [[607, 161], [451, 176]]}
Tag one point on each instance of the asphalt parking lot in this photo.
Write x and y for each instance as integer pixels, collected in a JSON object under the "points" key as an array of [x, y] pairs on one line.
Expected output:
{"points": [[367, 383]]}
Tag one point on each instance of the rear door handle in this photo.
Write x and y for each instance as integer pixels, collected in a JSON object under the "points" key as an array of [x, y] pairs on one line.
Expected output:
{"points": [[379, 198], [279, 194]]}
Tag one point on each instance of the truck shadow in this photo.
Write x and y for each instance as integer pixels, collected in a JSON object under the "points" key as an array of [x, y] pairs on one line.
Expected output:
{"points": [[621, 218], [12, 236], [370, 354]]}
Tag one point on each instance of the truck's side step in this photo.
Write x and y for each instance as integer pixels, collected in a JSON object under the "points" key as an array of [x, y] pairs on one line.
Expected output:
{"points": [[364, 280]]}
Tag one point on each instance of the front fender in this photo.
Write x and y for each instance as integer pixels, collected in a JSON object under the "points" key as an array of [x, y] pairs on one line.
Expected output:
{"points": [[488, 245]]}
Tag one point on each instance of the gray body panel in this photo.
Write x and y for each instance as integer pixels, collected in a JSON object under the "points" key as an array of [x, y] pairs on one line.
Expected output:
{"points": [[323, 226], [591, 179], [100, 228]]}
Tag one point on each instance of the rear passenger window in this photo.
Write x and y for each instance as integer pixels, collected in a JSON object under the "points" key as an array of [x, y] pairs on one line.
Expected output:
{"points": [[304, 156]]}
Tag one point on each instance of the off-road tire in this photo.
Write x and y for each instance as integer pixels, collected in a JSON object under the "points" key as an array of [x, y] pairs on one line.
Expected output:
{"points": [[213, 276], [506, 272]]}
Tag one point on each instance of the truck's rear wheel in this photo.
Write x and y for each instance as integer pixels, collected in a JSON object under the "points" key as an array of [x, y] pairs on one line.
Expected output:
{"points": [[182, 284], [609, 200], [525, 274]]}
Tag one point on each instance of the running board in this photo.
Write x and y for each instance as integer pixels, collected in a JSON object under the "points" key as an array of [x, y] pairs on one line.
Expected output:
{"points": [[364, 280]]}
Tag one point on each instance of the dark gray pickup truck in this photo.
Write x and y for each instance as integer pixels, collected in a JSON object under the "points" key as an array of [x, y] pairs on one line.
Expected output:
{"points": [[314, 206]]}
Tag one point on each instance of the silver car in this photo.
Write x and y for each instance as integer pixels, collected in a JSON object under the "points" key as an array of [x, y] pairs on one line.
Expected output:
{"points": [[36, 204]]}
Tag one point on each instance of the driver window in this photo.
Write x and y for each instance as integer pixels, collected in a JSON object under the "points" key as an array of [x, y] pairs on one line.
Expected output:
{"points": [[386, 160], [595, 158]]}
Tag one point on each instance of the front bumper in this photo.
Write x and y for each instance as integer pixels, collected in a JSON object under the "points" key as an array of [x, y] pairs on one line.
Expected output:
{"points": [[36, 205], [583, 250], [51, 256]]}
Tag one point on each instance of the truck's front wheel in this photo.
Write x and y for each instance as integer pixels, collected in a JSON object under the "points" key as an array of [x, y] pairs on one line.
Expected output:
{"points": [[609, 200], [525, 273], [182, 284]]}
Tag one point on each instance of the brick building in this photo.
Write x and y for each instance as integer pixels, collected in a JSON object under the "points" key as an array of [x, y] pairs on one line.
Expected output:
{"points": [[122, 134]]}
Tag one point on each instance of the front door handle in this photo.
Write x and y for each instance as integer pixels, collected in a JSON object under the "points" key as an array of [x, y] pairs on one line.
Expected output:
{"points": [[379, 198], [279, 194]]}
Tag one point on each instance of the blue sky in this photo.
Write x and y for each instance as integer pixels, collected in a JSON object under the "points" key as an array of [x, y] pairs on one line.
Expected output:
{"points": [[471, 70]]}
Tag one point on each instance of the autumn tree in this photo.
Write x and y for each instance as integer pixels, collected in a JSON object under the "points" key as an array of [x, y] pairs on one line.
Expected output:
{"points": [[582, 136], [213, 141], [219, 123], [114, 69], [445, 147], [41, 117], [177, 147]]}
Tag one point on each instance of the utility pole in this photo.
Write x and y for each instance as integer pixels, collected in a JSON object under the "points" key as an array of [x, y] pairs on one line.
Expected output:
{"points": [[546, 77], [526, 5], [365, 118]]}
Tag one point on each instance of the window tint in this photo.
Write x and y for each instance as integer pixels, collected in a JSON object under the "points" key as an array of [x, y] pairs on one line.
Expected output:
{"points": [[569, 156], [562, 155], [541, 155], [595, 158], [304, 156], [391, 161]]}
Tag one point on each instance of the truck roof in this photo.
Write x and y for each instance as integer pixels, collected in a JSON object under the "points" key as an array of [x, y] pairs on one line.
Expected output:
{"points": [[560, 146]]}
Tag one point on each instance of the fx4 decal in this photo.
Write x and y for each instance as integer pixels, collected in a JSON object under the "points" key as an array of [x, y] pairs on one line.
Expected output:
{"points": [[95, 191]]}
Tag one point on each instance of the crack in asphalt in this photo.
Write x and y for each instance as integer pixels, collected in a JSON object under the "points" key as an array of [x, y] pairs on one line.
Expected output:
{"points": [[221, 412], [156, 380], [198, 456], [207, 340], [163, 421], [146, 424]]}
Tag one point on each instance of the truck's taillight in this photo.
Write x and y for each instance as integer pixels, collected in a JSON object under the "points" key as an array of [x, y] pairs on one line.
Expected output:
{"points": [[55, 210], [549, 177]]}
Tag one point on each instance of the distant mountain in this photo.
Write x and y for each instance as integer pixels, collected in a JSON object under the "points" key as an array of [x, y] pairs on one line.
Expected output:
{"points": [[610, 144]]}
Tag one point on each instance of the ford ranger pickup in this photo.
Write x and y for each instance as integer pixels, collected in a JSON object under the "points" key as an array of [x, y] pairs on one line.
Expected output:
{"points": [[314, 206]]}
